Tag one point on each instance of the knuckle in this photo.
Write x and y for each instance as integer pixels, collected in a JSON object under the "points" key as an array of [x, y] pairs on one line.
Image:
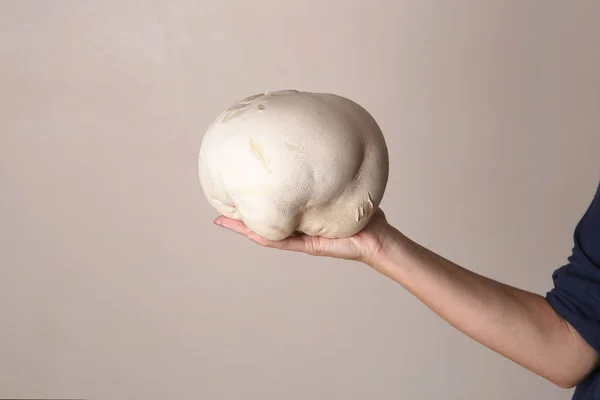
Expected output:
{"points": [[316, 248]]}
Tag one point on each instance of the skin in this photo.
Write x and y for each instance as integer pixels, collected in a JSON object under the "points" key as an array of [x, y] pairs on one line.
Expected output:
{"points": [[517, 324]]}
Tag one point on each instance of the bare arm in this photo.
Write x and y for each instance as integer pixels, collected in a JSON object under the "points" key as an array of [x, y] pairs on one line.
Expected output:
{"points": [[520, 325]]}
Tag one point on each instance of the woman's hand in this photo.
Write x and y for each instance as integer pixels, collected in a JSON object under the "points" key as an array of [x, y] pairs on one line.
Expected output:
{"points": [[364, 246], [488, 311]]}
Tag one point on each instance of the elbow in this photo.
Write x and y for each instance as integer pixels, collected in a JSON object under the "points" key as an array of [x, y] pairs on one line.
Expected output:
{"points": [[576, 358], [569, 379], [565, 383]]}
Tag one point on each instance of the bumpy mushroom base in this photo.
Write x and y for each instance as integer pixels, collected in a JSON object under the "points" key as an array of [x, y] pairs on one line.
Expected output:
{"points": [[295, 161]]}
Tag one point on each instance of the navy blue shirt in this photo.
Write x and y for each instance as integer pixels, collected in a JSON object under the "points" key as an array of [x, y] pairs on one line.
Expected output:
{"points": [[576, 293]]}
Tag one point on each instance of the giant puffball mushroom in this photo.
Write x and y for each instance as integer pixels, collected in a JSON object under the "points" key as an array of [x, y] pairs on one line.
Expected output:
{"points": [[291, 161]]}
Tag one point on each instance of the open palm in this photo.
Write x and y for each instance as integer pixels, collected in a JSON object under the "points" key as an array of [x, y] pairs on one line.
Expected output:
{"points": [[361, 247]]}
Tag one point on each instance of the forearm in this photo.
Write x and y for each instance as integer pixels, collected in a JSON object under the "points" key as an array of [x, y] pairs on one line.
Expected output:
{"points": [[520, 325]]}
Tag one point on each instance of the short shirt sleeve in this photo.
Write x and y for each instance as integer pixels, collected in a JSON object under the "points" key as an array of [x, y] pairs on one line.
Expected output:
{"points": [[576, 292]]}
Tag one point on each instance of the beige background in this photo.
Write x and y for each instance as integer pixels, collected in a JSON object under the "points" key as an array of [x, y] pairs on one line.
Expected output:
{"points": [[114, 284]]}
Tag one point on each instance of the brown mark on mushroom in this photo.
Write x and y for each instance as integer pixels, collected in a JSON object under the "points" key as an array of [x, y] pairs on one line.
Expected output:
{"points": [[364, 209], [237, 109], [292, 146], [258, 152]]}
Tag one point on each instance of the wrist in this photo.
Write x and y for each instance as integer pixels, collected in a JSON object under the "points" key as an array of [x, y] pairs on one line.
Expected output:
{"points": [[393, 246]]}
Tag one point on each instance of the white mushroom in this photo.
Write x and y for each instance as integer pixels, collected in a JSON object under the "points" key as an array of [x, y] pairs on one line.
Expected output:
{"points": [[290, 161]]}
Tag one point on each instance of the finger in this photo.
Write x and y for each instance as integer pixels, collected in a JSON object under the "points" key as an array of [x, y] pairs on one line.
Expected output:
{"points": [[313, 245], [299, 242], [292, 243], [232, 225], [241, 228]]}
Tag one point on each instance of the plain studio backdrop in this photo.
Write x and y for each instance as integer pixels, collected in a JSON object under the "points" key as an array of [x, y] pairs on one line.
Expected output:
{"points": [[114, 283]]}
